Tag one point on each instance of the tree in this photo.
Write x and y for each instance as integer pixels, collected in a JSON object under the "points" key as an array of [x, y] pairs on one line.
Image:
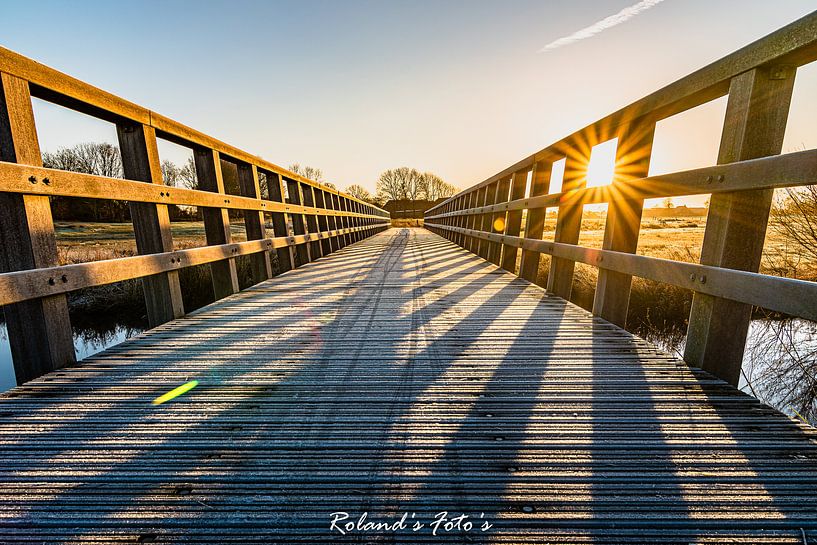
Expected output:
{"points": [[436, 188], [312, 173], [170, 173], [359, 192], [668, 203], [187, 175], [411, 184], [98, 158]]}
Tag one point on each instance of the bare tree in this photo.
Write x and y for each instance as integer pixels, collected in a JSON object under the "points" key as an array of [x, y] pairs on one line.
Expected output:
{"points": [[411, 184], [187, 175], [795, 218], [359, 192], [435, 187], [312, 173], [99, 158], [170, 173], [390, 185]]}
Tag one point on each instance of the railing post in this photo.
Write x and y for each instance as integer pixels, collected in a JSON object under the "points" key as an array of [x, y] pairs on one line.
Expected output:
{"points": [[315, 250], [280, 226], [151, 222], [513, 224], [39, 330], [487, 219], [254, 221], [535, 222], [462, 204], [298, 223], [755, 123], [340, 222], [503, 186], [568, 223], [612, 297], [477, 244], [323, 221], [216, 221]]}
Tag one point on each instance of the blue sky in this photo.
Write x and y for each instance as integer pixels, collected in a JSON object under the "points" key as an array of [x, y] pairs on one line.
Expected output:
{"points": [[354, 87]]}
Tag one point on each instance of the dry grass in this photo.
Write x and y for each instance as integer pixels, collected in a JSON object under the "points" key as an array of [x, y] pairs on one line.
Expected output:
{"points": [[405, 222]]}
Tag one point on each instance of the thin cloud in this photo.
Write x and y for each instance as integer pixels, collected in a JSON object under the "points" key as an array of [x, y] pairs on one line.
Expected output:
{"points": [[600, 26]]}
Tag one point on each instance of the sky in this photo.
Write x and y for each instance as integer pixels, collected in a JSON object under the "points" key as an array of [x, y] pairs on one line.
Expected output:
{"points": [[459, 88]]}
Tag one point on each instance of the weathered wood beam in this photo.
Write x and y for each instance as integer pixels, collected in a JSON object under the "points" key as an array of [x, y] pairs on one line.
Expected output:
{"points": [[513, 223], [535, 222], [39, 330], [216, 221], [623, 223], [755, 123], [151, 222]]}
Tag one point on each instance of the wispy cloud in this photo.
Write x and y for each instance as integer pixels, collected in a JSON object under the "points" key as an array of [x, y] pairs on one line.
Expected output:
{"points": [[600, 26]]}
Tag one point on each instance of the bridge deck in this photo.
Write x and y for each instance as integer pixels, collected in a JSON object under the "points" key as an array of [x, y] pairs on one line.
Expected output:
{"points": [[400, 374]]}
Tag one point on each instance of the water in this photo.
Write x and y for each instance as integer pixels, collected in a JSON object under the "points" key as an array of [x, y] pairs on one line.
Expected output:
{"points": [[87, 342], [778, 364]]}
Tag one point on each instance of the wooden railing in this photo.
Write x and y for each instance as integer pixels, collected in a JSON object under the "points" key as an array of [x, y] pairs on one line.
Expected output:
{"points": [[313, 221], [758, 79]]}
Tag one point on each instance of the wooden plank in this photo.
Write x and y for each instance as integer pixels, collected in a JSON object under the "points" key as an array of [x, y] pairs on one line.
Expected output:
{"points": [[16, 178], [21, 286], [261, 263], [39, 330], [535, 224], [513, 223], [472, 392], [755, 123], [216, 221], [151, 222], [786, 295], [634, 148]]}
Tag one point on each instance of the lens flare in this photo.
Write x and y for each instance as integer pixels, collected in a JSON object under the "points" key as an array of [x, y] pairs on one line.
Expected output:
{"points": [[499, 225], [176, 392]]}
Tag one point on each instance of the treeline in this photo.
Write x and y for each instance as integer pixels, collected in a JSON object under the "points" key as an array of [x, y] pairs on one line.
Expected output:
{"points": [[104, 159], [406, 184]]}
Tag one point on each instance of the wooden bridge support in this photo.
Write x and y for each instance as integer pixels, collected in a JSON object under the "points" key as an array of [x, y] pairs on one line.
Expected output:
{"points": [[151, 222], [302, 255], [40, 329], [623, 224], [281, 224], [513, 222], [535, 222], [261, 264], [756, 115], [568, 220], [216, 221]]}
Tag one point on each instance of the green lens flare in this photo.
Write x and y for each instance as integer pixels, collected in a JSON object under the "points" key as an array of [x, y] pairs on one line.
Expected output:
{"points": [[176, 392]]}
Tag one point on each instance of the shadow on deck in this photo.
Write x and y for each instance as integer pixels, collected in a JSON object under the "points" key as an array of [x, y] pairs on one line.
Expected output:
{"points": [[399, 375]]}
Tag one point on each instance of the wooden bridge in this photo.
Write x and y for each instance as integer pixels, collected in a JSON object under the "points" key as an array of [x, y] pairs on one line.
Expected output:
{"points": [[397, 372]]}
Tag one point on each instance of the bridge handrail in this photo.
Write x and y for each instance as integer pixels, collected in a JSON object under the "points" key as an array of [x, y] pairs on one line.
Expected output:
{"points": [[758, 79], [309, 219]]}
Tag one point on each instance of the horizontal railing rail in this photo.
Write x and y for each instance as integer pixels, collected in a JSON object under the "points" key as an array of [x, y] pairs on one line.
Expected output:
{"points": [[308, 219], [758, 79]]}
